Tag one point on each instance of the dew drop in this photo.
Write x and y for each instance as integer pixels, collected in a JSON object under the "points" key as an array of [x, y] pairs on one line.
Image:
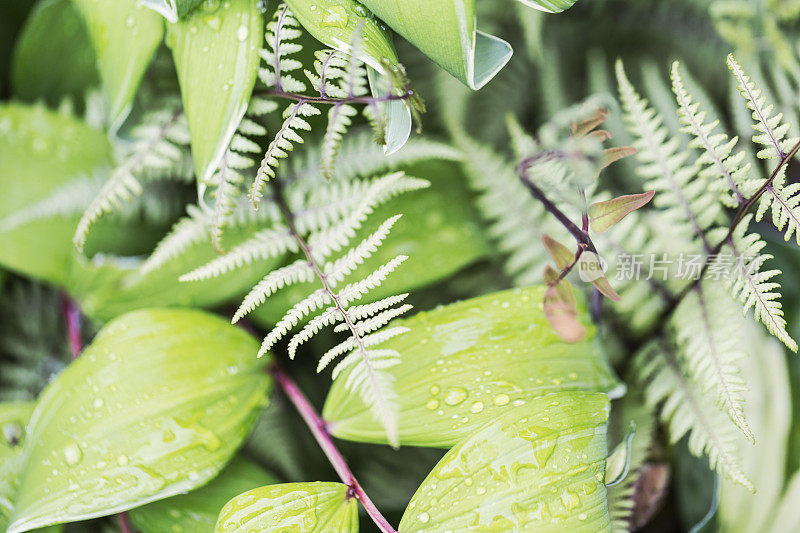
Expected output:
{"points": [[72, 453], [501, 399], [242, 33], [432, 404], [122, 460], [455, 396], [477, 407], [424, 517], [98, 403]]}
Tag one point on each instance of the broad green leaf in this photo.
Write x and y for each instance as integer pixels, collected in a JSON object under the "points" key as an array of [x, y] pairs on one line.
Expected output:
{"points": [[466, 363], [13, 419], [603, 215], [53, 56], [172, 10], [125, 36], [539, 467], [317, 507], [336, 24], [215, 50], [447, 33], [154, 407], [41, 151], [439, 230], [619, 462], [197, 511], [549, 6], [768, 411]]}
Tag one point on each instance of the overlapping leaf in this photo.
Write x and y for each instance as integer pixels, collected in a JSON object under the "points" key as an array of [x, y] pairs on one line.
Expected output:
{"points": [[537, 468], [216, 55], [317, 507], [125, 35], [469, 362], [154, 407], [197, 511]]}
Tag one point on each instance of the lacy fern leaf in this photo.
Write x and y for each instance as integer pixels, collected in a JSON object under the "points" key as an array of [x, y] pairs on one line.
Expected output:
{"points": [[157, 151], [708, 336], [688, 410]]}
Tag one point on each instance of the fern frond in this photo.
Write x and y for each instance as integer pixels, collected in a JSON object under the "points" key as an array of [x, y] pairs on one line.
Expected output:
{"points": [[346, 264], [265, 244], [304, 307], [722, 169], [282, 32], [687, 410], [157, 151], [298, 272], [357, 290], [339, 119], [755, 288], [187, 232], [772, 132], [376, 389], [68, 200], [784, 201], [685, 200], [709, 340], [368, 325], [283, 143], [359, 343]]}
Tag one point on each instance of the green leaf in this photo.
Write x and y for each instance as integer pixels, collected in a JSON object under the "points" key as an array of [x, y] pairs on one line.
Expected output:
{"points": [[13, 419], [619, 462], [197, 511], [603, 215], [447, 33], [41, 69], [41, 150], [125, 36], [466, 363], [536, 468], [172, 10], [317, 507], [154, 407], [335, 23], [216, 55], [549, 6]]}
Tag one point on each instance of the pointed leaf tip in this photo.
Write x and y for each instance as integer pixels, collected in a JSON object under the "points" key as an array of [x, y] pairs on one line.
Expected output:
{"points": [[604, 215]]}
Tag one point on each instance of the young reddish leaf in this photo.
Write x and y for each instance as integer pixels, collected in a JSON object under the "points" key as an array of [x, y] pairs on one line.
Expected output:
{"points": [[560, 253], [603, 215], [613, 155], [601, 135], [561, 313], [590, 269], [579, 129]]}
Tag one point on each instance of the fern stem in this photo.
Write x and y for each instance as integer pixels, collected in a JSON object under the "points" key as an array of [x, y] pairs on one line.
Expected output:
{"points": [[370, 100], [289, 216], [319, 429], [584, 241], [728, 239]]}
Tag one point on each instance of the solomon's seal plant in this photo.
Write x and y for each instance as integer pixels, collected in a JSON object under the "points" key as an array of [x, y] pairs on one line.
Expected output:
{"points": [[330, 266]]}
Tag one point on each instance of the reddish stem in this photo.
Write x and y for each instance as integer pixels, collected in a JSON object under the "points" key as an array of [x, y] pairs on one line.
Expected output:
{"points": [[319, 429], [72, 318], [124, 523]]}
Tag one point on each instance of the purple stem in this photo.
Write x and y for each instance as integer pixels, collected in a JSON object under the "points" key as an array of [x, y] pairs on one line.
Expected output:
{"points": [[72, 318], [319, 429]]}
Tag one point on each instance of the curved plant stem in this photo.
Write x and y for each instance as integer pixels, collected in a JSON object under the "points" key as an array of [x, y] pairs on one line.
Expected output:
{"points": [[72, 319], [319, 429]]}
